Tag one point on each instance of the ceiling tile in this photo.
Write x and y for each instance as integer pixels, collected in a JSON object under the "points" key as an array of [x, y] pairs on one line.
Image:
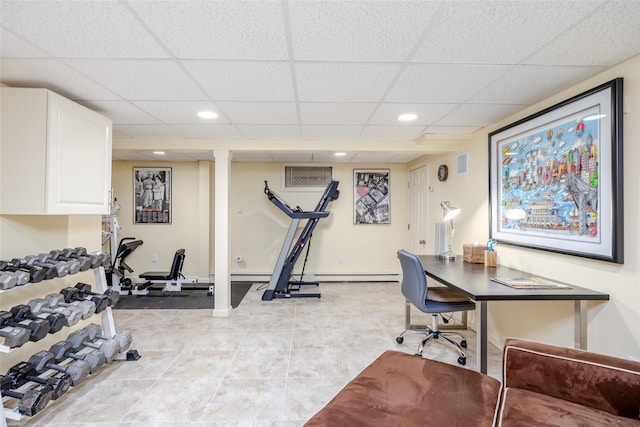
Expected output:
{"points": [[330, 157], [148, 131], [217, 29], [478, 114], [141, 80], [391, 132], [469, 31], [268, 113], [357, 31], [181, 112], [326, 113], [12, 46], [243, 81], [442, 83], [348, 82], [450, 130], [330, 132], [387, 113], [270, 131], [83, 29], [120, 112], [527, 84], [54, 75], [208, 131]]}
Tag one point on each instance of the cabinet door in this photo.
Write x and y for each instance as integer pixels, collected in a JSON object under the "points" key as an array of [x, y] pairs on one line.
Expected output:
{"points": [[78, 159]]}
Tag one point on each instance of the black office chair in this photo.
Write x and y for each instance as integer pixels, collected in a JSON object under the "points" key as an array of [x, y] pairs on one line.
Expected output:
{"points": [[165, 276], [435, 300]]}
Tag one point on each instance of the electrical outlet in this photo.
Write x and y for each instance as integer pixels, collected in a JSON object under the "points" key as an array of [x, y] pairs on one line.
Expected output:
{"points": [[340, 259], [154, 257]]}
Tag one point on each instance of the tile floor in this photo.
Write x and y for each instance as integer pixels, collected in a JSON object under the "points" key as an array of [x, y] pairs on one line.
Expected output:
{"points": [[271, 363]]}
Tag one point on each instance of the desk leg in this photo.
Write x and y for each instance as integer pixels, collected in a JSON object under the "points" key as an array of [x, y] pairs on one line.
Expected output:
{"points": [[580, 319], [481, 336]]}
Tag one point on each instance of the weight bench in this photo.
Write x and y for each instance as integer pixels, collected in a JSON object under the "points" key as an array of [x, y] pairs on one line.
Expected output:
{"points": [[172, 280]]}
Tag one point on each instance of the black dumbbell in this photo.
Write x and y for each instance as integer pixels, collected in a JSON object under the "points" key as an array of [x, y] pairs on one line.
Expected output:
{"points": [[14, 336], [88, 308], [30, 402], [77, 369], [67, 255], [124, 338], [41, 305], [56, 321], [50, 270], [112, 296], [108, 346], [38, 328], [73, 294], [42, 260], [36, 274], [20, 277], [23, 372], [63, 350]]}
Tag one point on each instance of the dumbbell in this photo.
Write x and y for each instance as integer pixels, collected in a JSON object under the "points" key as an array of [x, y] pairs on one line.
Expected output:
{"points": [[88, 308], [56, 320], [7, 280], [77, 369], [73, 294], [67, 255], [64, 349], [23, 372], [14, 336], [124, 338], [71, 313], [38, 329], [62, 268], [22, 277], [50, 271], [98, 259], [108, 346], [31, 401], [36, 274], [112, 297]]}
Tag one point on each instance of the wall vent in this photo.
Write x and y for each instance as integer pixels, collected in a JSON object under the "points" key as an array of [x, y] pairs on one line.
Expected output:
{"points": [[306, 177], [462, 164]]}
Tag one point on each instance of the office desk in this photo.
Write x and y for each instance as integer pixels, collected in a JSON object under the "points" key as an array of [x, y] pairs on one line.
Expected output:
{"points": [[474, 280]]}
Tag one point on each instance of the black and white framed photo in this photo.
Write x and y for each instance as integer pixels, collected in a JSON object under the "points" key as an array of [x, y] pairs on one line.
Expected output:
{"points": [[371, 196], [556, 177], [152, 195]]}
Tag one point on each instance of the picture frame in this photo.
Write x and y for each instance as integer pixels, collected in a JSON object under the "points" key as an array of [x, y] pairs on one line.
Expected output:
{"points": [[151, 195], [371, 193], [556, 177]]}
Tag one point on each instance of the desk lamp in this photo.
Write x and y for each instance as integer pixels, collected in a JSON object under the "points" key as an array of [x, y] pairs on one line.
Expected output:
{"points": [[448, 213]]}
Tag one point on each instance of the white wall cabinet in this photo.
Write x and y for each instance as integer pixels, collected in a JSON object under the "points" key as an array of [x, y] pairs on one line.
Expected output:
{"points": [[55, 155]]}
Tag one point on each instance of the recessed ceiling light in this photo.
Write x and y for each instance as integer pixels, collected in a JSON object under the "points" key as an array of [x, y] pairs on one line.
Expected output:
{"points": [[407, 117], [340, 154], [159, 153], [207, 115]]}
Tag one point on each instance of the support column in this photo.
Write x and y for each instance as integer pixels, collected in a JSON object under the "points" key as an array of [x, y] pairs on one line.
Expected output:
{"points": [[204, 219], [221, 228]]}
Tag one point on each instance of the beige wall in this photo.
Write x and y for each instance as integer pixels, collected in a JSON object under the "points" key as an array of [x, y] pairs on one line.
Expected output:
{"points": [[614, 326]]}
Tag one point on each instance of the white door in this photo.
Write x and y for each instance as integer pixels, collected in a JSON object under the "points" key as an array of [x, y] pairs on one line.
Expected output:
{"points": [[418, 199]]}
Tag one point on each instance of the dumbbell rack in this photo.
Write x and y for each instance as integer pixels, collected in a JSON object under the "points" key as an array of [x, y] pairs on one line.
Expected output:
{"points": [[108, 326]]}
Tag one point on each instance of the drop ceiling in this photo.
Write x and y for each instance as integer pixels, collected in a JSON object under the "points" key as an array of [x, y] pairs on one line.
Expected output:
{"points": [[309, 70]]}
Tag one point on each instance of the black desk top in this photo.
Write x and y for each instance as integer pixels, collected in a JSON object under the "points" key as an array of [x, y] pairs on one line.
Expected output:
{"points": [[474, 280]]}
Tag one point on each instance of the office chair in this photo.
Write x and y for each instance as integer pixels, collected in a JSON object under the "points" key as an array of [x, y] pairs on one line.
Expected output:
{"points": [[435, 300]]}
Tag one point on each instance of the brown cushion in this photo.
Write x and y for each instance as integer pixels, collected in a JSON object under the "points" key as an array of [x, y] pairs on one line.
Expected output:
{"points": [[444, 294], [399, 389], [521, 408]]}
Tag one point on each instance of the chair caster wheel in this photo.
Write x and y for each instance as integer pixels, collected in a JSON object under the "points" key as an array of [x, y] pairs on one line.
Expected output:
{"points": [[463, 343], [462, 360], [400, 340]]}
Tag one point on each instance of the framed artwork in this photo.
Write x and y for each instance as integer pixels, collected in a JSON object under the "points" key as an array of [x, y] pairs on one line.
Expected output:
{"points": [[152, 195], [555, 178], [371, 196]]}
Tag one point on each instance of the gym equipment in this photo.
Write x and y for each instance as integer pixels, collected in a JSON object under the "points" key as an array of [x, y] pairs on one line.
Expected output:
{"points": [[40, 305], [56, 320], [14, 336], [108, 346], [280, 285], [77, 369], [73, 294], [30, 402], [7, 280], [36, 274], [172, 280], [63, 350], [87, 308], [61, 268], [116, 272], [38, 328], [84, 262], [21, 277], [23, 372], [124, 338], [112, 297]]}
